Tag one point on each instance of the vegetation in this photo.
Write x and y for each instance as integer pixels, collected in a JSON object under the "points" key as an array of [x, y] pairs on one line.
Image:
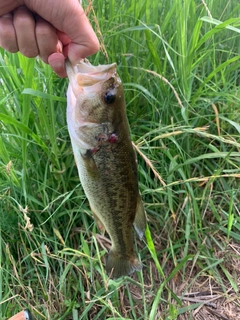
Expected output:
{"points": [[179, 62]]}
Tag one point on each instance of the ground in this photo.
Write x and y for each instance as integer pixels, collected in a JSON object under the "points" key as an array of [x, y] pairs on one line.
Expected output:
{"points": [[202, 294]]}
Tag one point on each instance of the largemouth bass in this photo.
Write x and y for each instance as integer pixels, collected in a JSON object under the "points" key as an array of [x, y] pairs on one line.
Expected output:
{"points": [[106, 161]]}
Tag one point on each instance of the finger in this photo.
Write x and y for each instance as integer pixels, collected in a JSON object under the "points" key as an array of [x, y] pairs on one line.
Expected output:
{"points": [[8, 6], [63, 38], [24, 25], [57, 63], [47, 39], [8, 39], [57, 60]]}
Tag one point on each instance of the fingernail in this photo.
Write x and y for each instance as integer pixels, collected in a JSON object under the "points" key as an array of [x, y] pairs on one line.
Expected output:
{"points": [[59, 46], [7, 15], [57, 63]]}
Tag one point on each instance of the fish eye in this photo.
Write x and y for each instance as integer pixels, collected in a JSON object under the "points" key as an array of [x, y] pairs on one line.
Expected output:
{"points": [[109, 97]]}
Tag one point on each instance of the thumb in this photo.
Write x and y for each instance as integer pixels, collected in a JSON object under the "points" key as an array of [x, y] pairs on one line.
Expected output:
{"points": [[69, 18]]}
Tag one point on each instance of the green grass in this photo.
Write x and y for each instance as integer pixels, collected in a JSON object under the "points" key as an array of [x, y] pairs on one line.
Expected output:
{"points": [[180, 70]]}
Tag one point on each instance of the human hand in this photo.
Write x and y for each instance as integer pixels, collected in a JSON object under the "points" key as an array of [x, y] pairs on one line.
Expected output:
{"points": [[49, 29]]}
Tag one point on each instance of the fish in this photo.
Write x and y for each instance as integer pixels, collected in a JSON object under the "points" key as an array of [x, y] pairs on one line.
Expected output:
{"points": [[105, 159]]}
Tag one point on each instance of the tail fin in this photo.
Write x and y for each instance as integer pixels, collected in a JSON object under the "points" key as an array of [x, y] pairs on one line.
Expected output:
{"points": [[119, 265]]}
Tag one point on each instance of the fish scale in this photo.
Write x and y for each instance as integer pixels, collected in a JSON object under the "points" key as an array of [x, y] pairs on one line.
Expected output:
{"points": [[106, 161]]}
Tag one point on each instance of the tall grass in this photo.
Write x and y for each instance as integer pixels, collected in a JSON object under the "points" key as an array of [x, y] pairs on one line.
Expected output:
{"points": [[179, 62]]}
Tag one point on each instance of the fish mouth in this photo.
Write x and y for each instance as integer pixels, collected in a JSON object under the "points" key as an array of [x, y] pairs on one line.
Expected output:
{"points": [[86, 82], [84, 74]]}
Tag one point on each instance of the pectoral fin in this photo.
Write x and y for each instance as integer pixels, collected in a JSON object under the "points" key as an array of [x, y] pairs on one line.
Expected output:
{"points": [[140, 219], [90, 164], [98, 221]]}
